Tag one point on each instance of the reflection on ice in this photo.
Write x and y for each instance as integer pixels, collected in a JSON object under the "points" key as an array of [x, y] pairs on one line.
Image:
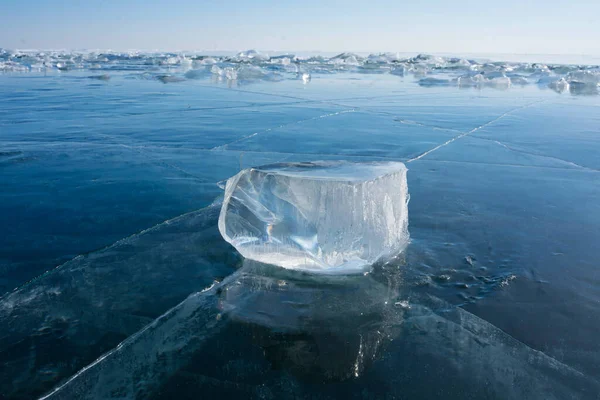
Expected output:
{"points": [[328, 327], [58, 323], [263, 332], [315, 329]]}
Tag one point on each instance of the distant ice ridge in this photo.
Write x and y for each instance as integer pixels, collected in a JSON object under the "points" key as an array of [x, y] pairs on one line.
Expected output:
{"points": [[252, 65], [244, 73], [329, 217], [498, 79]]}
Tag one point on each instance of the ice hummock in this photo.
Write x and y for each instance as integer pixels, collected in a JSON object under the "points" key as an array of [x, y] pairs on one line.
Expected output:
{"points": [[323, 216], [253, 66]]}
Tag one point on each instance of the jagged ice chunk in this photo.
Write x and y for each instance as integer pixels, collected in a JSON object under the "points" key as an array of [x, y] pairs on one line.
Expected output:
{"points": [[324, 216]]}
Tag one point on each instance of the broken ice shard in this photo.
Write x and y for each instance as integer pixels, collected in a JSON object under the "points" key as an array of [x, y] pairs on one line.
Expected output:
{"points": [[323, 216]]}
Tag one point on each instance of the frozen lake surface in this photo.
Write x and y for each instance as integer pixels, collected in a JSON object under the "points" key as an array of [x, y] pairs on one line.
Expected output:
{"points": [[109, 169]]}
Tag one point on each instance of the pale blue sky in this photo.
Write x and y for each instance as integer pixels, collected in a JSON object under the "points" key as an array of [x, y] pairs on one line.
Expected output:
{"points": [[436, 26]]}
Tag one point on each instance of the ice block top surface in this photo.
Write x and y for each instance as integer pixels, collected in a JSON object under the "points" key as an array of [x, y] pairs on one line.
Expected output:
{"points": [[341, 171]]}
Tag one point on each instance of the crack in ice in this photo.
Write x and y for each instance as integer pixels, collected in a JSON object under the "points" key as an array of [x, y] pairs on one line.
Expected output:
{"points": [[562, 160], [333, 114], [462, 135], [509, 165], [338, 102], [125, 342]]}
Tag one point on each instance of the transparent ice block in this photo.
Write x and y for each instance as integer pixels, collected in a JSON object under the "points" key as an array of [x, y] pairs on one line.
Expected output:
{"points": [[323, 216]]}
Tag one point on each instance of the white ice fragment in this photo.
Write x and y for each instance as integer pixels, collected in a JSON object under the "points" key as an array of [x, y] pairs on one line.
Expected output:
{"points": [[383, 58], [495, 74], [399, 70], [499, 81], [418, 69], [591, 78], [185, 62], [250, 55], [244, 73], [280, 60], [206, 61], [467, 80], [346, 59], [250, 72], [429, 60], [228, 73], [559, 86], [518, 80], [322, 216], [11, 66], [170, 61]]}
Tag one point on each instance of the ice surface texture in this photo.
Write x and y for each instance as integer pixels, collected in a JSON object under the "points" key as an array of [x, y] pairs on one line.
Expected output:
{"points": [[332, 217]]}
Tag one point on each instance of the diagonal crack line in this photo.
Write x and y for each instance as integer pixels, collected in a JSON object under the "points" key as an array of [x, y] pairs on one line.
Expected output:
{"points": [[236, 107], [462, 135], [416, 123], [287, 155], [266, 94], [140, 149], [333, 114], [513, 165], [339, 102], [157, 161], [532, 153]]}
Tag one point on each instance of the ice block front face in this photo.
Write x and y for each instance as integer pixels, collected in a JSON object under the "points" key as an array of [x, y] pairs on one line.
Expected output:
{"points": [[332, 217]]}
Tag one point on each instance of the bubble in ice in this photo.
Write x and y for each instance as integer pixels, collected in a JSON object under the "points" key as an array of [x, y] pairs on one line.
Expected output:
{"points": [[322, 216]]}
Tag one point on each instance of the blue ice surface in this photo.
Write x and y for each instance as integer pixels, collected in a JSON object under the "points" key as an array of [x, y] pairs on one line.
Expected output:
{"points": [[504, 220]]}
